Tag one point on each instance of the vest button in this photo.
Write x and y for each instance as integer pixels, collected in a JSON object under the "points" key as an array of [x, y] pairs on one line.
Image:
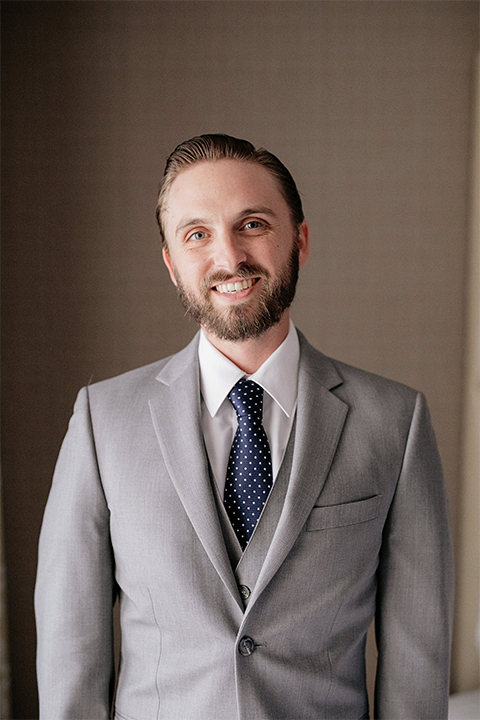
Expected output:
{"points": [[245, 592], [246, 646]]}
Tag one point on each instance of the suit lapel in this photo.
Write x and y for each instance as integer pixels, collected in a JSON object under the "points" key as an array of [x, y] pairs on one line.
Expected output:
{"points": [[320, 419], [175, 411], [176, 417]]}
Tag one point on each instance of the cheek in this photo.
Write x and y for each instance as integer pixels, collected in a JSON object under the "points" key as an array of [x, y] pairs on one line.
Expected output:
{"points": [[192, 273], [278, 257]]}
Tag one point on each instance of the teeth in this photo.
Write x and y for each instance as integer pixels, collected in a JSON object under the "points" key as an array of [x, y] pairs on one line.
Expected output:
{"points": [[235, 287]]}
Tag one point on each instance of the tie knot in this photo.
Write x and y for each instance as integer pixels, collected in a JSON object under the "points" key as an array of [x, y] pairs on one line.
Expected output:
{"points": [[247, 398]]}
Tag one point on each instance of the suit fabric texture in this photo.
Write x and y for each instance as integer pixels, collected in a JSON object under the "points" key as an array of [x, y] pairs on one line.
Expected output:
{"points": [[355, 527]]}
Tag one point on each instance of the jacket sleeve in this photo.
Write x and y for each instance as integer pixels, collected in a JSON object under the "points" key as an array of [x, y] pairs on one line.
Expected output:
{"points": [[415, 586], [75, 587]]}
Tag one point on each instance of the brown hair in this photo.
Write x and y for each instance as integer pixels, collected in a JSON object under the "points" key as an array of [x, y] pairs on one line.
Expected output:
{"points": [[221, 147]]}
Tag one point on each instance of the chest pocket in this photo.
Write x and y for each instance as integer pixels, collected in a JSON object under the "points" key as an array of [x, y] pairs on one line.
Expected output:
{"points": [[333, 516]]}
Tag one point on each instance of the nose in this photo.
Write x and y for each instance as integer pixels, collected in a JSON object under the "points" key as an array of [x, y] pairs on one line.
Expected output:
{"points": [[228, 250]]}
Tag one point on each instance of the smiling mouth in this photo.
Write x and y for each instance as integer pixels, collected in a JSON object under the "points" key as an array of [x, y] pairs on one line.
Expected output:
{"points": [[235, 287]]}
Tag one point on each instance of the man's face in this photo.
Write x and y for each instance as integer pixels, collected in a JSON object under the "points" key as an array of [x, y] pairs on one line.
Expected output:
{"points": [[233, 252]]}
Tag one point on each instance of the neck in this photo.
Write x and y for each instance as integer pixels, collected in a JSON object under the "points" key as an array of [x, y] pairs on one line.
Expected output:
{"points": [[250, 354]]}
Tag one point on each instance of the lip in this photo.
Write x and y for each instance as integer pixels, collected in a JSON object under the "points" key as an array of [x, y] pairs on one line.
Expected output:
{"points": [[236, 288]]}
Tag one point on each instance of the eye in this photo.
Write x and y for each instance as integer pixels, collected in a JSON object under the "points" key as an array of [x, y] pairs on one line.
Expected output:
{"points": [[198, 235], [253, 225]]}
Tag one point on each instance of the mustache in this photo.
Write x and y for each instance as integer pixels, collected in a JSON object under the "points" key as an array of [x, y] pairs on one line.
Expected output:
{"points": [[243, 272]]}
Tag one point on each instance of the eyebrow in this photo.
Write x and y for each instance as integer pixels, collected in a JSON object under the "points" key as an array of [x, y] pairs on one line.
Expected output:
{"points": [[189, 223], [259, 210]]}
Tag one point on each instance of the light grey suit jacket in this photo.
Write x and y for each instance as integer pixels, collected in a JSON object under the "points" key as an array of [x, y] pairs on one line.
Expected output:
{"points": [[361, 530]]}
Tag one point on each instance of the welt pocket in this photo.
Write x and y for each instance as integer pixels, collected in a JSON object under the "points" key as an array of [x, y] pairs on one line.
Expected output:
{"points": [[333, 516]]}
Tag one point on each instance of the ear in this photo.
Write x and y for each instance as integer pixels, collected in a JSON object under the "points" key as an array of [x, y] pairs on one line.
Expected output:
{"points": [[303, 243], [168, 262]]}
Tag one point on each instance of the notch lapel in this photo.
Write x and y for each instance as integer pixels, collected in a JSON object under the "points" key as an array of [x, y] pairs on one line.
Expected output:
{"points": [[320, 419], [176, 416]]}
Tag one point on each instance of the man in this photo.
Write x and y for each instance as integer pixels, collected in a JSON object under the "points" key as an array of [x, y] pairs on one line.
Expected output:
{"points": [[233, 606]]}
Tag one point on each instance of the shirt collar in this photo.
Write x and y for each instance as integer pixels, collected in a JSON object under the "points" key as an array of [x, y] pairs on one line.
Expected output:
{"points": [[278, 374]]}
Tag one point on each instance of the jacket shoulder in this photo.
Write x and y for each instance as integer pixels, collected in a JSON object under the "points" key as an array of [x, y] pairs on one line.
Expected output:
{"points": [[355, 385], [143, 380], [357, 377]]}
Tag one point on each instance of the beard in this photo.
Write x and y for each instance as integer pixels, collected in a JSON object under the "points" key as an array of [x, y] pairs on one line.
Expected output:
{"points": [[245, 320]]}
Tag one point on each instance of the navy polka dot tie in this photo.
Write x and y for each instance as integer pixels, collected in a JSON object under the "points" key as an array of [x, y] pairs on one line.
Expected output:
{"points": [[249, 471]]}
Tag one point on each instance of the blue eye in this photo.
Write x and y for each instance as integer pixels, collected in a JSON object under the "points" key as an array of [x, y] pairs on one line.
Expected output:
{"points": [[253, 225], [199, 235]]}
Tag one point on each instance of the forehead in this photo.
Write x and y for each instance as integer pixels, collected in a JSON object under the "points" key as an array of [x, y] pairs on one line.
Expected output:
{"points": [[226, 184]]}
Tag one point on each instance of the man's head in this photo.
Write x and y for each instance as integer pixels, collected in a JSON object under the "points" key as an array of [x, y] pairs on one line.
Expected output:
{"points": [[234, 235], [225, 147]]}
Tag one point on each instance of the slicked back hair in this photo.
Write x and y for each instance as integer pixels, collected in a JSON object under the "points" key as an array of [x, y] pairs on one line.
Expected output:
{"points": [[213, 147]]}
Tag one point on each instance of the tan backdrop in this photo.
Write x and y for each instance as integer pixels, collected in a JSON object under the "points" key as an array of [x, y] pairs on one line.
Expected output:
{"points": [[368, 104]]}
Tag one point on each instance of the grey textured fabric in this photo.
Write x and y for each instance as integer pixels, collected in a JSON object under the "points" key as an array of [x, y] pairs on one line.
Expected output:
{"points": [[248, 563], [359, 528]]}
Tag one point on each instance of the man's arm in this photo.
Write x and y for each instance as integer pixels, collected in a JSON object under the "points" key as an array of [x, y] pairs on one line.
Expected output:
{"points": [[415, 587], [75, 586]]}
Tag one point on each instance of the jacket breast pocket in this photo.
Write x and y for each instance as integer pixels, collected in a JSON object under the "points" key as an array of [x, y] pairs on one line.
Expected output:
{"points": [[333, 516]]}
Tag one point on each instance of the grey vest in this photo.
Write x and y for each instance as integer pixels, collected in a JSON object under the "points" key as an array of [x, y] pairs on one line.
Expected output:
{"points": [[247, 564]]}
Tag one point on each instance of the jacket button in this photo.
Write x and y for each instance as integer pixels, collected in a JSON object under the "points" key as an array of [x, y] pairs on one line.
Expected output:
{"points": [[246, 646], [245, 592]]}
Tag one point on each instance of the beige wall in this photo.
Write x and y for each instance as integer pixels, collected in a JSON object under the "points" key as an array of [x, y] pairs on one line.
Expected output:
{"points": [[369, 105], [466, 646]]}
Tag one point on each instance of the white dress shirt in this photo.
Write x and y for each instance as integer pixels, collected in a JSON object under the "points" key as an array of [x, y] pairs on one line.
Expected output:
{"points": [[278, 376]]}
